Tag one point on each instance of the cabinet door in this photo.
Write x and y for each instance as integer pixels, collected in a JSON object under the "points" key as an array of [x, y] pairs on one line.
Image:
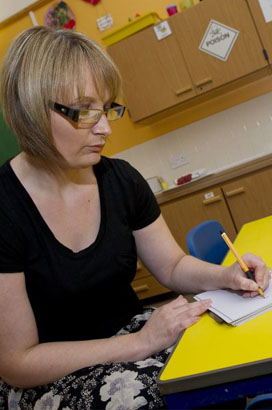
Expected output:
{"points": [[183, 214], [249, 198], [264, 29], [207, 71], [154, 73]]}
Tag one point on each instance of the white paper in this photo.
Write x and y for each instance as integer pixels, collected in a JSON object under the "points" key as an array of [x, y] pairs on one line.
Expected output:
{"points": [[233, 308], [162, 30], [209, 195], [266, 6], [154, 184], [104, 22]]}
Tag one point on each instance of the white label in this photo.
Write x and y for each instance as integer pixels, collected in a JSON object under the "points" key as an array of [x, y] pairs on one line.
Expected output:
{"points": [[218, 40], [209, 195], [162, 30], [266, 6], [178, 161], [104, 22]]}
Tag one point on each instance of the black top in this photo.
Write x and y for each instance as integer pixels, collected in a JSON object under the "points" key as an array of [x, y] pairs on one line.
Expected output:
{"points": [[88, 294]]}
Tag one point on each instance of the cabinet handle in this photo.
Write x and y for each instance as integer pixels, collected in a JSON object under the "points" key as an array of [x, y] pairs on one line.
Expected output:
{"points": [[142, 288], [216, 198], [204, 81], [236, 191], [183, 90]]}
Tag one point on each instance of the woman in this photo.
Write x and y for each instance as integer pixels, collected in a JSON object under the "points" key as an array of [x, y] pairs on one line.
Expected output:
{"points": [[72, 223]]}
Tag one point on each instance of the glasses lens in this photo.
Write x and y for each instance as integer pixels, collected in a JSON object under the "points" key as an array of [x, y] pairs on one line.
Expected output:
{"points": [[93, 116], [89, 116], [115, 113]]}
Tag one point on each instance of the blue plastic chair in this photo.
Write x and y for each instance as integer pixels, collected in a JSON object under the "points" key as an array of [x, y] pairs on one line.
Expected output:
{"points": [[204, 242], [261, 402]]}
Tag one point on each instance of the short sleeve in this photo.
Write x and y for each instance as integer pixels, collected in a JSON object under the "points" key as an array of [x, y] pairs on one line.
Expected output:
{"points": [[146, 208], [12, 248]]}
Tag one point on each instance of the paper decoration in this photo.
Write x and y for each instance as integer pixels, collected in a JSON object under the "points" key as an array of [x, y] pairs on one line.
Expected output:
{"points": [[104, 22], [162, 30], [218, 40], [59, 15]]}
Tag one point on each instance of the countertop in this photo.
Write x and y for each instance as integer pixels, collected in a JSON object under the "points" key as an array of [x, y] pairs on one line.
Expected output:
{"points": [[215, 177]]}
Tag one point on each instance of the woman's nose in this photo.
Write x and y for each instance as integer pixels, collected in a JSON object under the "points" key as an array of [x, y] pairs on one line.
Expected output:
{"points": [[102, 126]]}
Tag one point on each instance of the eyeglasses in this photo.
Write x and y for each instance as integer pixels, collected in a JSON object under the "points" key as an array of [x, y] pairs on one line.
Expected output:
{"points": [[91, 116]]}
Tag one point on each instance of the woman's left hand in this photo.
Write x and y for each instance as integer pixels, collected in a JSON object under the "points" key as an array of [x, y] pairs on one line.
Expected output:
{"points": [[236, 279]]}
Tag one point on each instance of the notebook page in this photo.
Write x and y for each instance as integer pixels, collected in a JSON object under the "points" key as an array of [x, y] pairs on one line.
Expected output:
{"points": [[242, 319], [233, 306], [249, 317]]}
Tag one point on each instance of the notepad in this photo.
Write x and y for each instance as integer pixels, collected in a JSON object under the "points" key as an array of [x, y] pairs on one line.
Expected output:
{"points": [[233, 308]]}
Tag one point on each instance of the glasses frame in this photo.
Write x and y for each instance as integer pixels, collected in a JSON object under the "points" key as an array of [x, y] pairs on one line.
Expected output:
{"points": [[74, 113]]}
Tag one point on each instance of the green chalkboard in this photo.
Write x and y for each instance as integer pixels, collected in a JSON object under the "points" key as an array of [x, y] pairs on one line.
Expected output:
{"points": [[8, 143]]}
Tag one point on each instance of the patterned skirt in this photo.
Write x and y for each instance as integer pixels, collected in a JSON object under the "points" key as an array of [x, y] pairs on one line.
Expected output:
{"points": [[113, 386]]}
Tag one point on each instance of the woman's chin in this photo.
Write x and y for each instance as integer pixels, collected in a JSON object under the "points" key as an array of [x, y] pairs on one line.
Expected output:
{"points": [[91, 159]]}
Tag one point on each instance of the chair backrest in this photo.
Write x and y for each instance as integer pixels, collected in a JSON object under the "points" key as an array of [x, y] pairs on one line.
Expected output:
{"points": [[263, 401], [204, 242]]}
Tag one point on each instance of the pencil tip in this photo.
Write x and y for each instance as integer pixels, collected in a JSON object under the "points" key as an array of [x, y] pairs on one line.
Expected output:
{"points": [[221, 232]]}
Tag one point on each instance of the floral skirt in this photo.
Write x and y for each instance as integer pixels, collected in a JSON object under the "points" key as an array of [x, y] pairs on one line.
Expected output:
{"points": [[114, 386]]}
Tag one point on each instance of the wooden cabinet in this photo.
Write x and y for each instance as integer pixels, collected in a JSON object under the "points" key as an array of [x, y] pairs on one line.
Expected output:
{"points": [[246, 56], [183, 214], [249, 198], [232, 203], [159, 74], [154, 73], [264, 29]]}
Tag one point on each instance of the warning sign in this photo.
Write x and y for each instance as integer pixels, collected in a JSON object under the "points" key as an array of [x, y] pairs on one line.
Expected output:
{"points": [[218, 40]]}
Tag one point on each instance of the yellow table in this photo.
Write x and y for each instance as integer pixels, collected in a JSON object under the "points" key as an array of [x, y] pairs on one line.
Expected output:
{"points": [[211, 354], [255, 237]]}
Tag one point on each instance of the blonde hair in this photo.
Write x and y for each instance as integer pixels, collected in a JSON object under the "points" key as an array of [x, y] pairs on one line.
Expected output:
{"points": [[44, 64]]}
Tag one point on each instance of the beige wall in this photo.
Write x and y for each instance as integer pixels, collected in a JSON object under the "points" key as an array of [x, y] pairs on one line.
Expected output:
{"points": [[228, 138]]}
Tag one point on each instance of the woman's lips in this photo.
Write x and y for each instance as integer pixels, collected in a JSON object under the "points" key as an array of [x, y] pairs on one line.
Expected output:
{"points": [[95, 148]]}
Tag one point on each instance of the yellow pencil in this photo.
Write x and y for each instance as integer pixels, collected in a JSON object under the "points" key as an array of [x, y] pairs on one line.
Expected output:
{"points": [[247, 271]]}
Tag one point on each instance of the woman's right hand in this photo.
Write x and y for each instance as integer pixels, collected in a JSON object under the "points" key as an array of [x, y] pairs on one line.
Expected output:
{"points": [[165, 324]]}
